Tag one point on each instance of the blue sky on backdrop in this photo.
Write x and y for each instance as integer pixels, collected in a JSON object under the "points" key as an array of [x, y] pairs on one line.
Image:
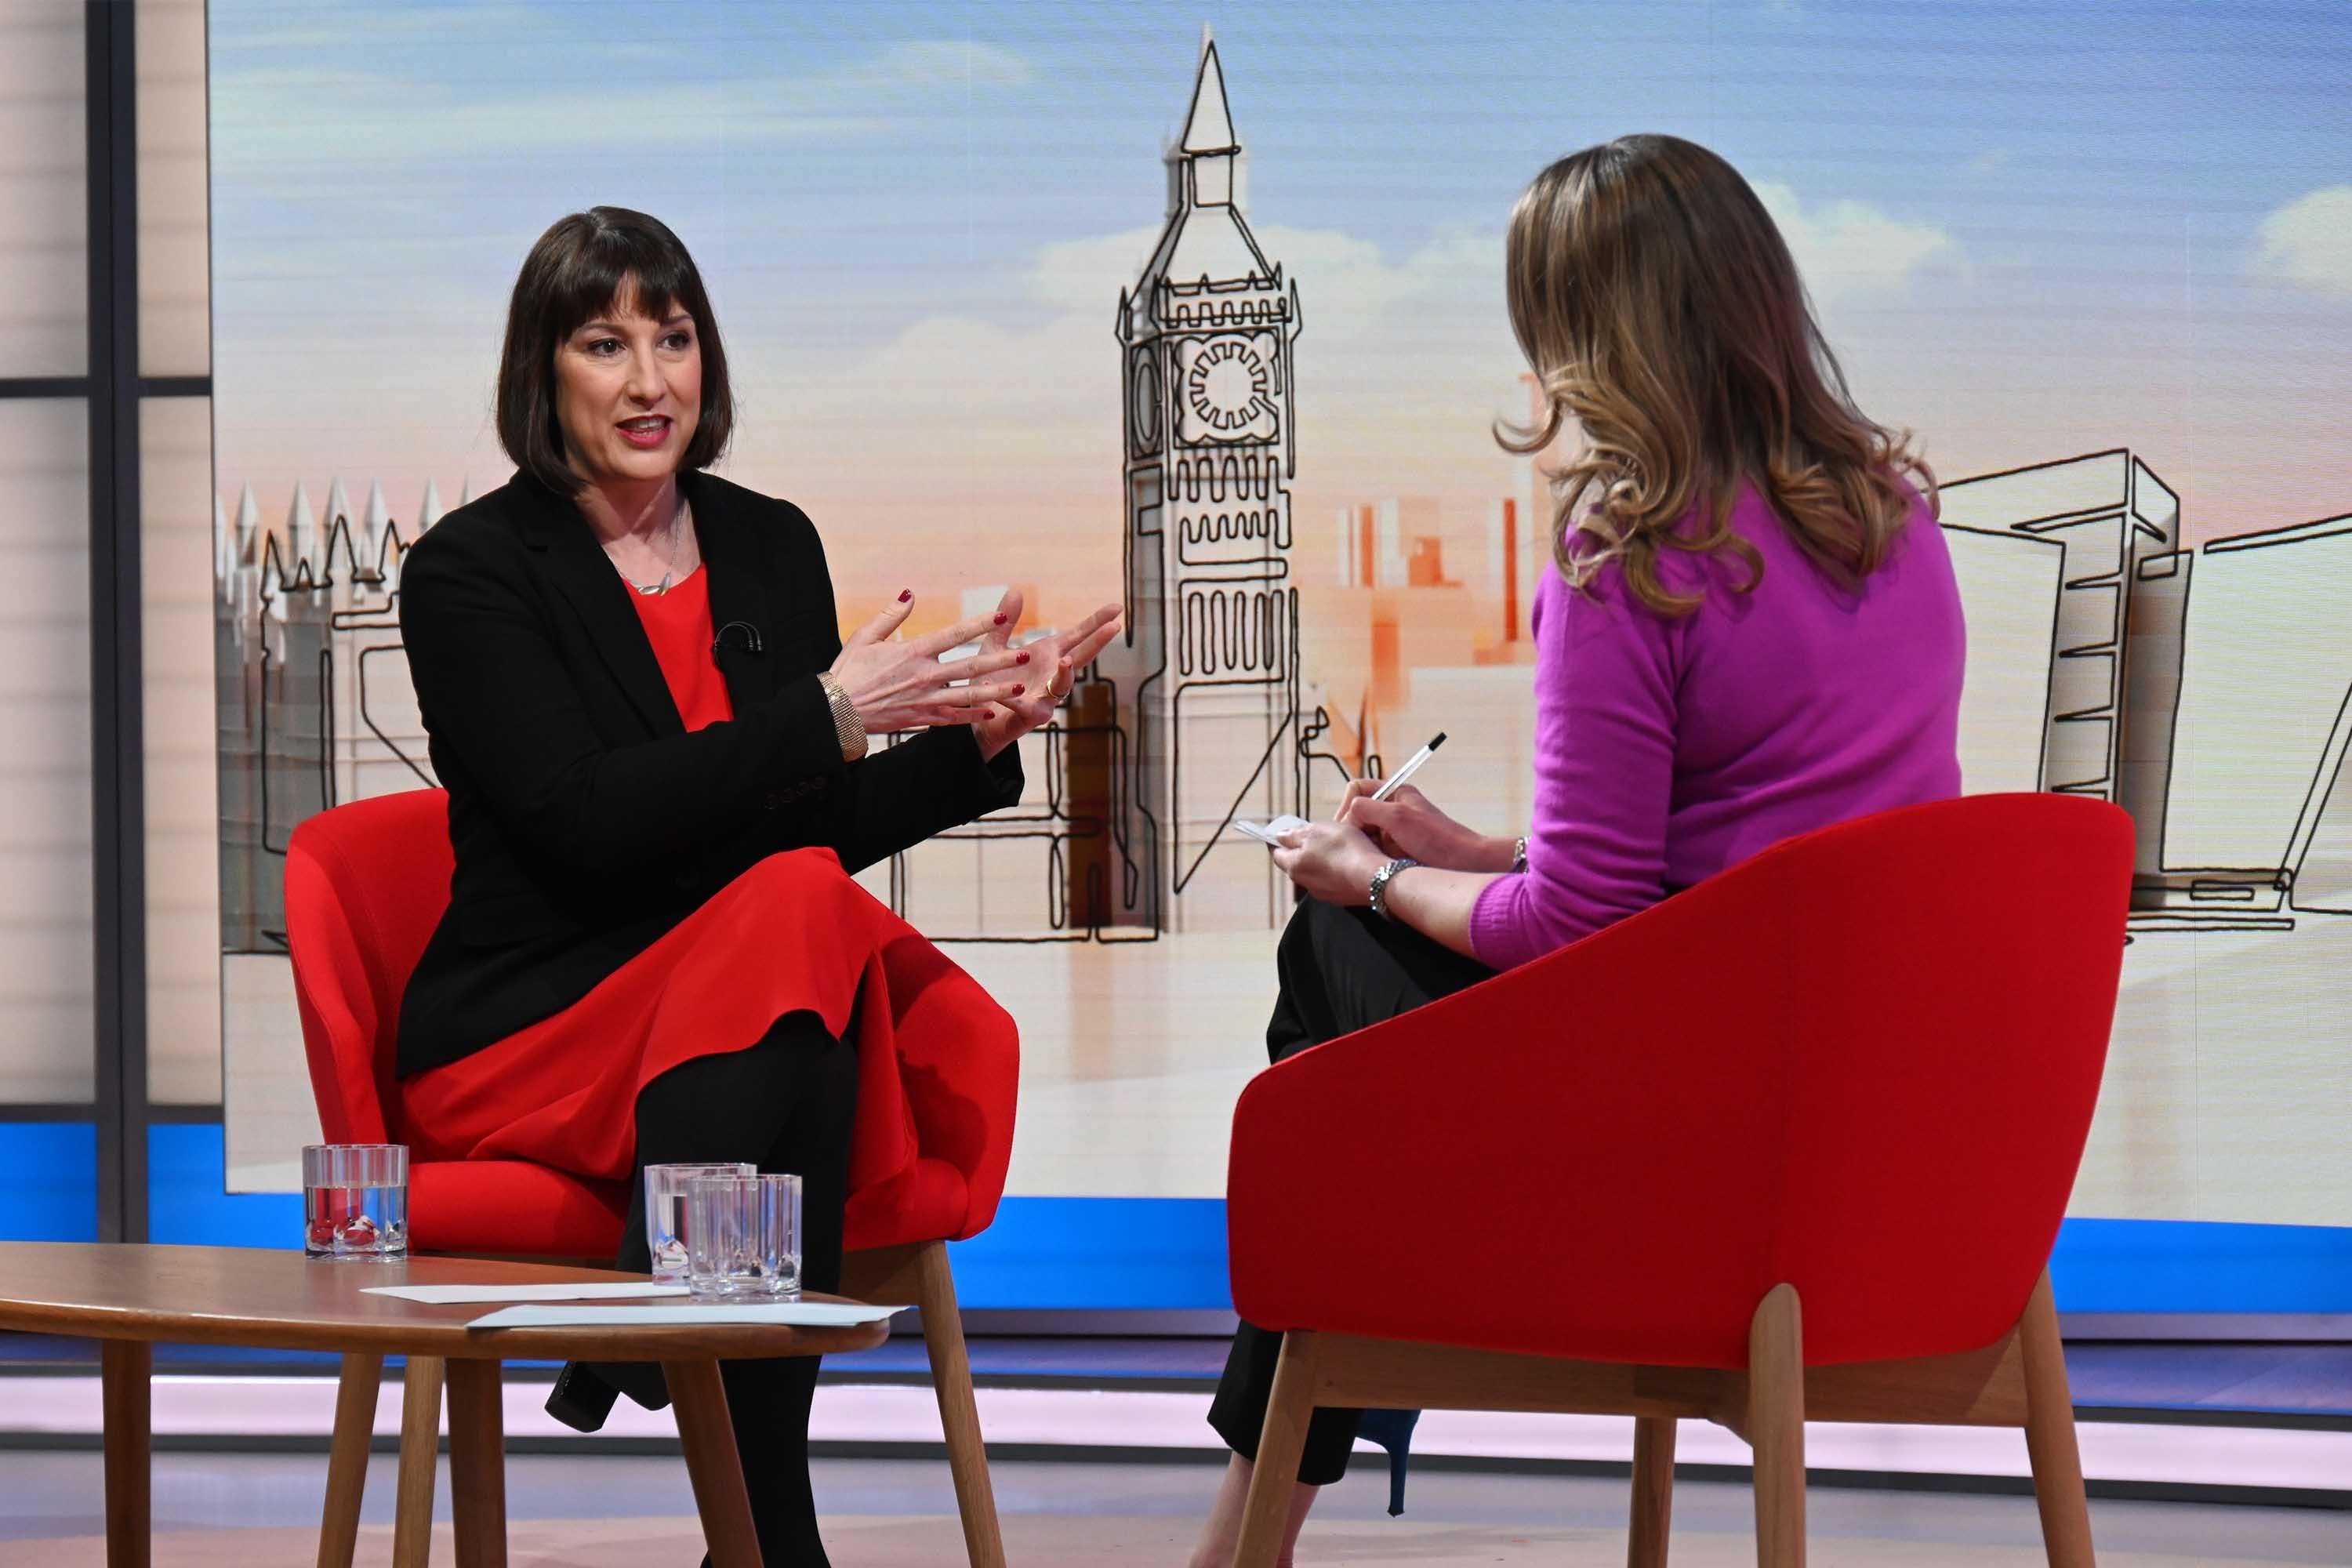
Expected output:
{"points": [[2034, 230]]}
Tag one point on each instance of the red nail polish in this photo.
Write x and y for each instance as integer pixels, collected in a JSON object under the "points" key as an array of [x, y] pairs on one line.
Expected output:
{"points": [[1019, 689], [1000, 620], [1023, 660], [905, 595]]}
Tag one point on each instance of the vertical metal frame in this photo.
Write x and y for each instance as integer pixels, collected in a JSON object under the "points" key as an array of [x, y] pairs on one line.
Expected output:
{"points": [[117, 804]]}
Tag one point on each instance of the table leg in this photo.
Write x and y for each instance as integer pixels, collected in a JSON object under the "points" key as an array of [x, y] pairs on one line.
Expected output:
{"points": [[712, 1464], [347, 1458], [478, 1477], [420, 1451], [124, 1367]]}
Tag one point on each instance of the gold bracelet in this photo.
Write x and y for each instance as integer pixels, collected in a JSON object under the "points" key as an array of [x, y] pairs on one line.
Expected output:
{"points": [[847, 727]]}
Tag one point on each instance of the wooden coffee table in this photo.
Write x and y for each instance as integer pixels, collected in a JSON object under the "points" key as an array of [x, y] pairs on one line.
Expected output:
{"points": [[131, 1297]]}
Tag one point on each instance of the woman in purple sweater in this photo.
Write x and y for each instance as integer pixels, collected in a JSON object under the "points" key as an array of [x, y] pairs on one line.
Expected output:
{"points": [[1752, 632]]}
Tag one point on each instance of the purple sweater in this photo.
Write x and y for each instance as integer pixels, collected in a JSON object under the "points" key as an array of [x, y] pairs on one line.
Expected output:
{"points": [[1667, 751]]}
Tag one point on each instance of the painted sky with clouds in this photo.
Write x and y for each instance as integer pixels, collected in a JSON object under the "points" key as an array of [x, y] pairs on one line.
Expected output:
{"points": [[2033, 231]]}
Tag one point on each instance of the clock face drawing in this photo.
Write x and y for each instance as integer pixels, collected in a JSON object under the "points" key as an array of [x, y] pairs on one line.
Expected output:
{"points": [[1228, 390], [1143, 395]]}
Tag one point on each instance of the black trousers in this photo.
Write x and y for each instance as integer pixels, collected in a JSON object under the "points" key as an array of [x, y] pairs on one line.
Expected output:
{"points": [[1342, 969], [787, 1104]]}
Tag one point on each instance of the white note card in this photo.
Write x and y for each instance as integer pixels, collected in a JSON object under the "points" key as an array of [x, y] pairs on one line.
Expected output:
{"points": [[443, 1294], [1268, 832], [795, 1314]]}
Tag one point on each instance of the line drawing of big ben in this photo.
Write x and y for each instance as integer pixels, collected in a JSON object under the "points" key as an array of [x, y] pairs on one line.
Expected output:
{"points": [[1205, 680]]}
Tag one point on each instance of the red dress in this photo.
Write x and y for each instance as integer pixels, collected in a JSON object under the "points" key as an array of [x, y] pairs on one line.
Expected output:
{"points": [[793, 934]]}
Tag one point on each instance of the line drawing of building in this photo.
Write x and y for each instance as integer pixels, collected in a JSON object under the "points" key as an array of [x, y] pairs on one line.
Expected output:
{"points": [[2116, 527], [2207, 691], [1205, 680], [315, 703], [2256, 828]]}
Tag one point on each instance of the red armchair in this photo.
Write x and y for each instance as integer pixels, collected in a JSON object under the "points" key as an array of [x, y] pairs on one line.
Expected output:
{"points": [[365, 884], [1793, 1144]]}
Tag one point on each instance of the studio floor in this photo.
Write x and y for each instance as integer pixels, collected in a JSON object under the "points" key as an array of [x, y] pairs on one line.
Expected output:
{"points": [[609, 1511]]}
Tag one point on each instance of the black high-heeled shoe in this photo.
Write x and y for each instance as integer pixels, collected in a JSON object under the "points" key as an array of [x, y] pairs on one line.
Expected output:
{"points": [[1393, 1430], [586, 1391]]}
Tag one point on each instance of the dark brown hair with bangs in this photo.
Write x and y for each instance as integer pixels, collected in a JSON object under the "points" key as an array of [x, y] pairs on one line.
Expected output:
{"points": [[581, 268]]}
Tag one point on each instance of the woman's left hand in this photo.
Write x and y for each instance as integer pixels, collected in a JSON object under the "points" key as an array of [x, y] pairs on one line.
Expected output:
{"points": [[1057, 659], [1332, 861]]}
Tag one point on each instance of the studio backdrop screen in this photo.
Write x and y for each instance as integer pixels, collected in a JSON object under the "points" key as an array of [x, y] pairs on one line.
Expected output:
{"points": [[1107, 304]]}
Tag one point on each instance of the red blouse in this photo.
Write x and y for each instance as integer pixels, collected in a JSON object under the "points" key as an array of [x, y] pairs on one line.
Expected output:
{"points": [[678, 626]]}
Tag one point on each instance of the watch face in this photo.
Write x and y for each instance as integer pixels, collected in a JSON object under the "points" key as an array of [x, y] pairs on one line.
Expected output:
{"points": [[1228, 390], [1143, 400]]}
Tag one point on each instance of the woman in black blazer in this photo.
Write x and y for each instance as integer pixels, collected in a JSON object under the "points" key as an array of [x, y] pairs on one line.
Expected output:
{"points": [[638, 702]]}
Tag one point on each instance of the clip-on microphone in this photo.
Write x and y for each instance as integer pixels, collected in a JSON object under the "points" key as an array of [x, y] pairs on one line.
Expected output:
{"points": [[749, 641]]}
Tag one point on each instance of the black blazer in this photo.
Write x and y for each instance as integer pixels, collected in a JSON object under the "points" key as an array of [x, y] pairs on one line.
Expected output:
{"points": [[586, 820]]}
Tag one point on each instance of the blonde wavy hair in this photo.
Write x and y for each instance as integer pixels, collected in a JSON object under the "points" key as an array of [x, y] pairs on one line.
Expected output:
{"points": [[1662, 313]]}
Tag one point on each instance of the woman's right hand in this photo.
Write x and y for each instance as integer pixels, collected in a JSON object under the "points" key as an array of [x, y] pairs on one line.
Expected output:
{"points": [[1409, 824], [899, 686]]}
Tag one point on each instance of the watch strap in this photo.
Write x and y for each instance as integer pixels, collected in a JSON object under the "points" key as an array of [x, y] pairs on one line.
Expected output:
{"points": [[1380, 880]]}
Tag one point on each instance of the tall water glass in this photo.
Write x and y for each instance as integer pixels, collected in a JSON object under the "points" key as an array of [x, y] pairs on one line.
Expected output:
{"points": [[776, 1251], [355, 1200], [720, 1212], [665, 1215], [743, 1237]]}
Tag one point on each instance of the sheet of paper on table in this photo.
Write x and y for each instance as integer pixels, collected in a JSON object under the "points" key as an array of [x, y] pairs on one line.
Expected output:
{"points": [[798, 1314], [1269, 832], [443, 1294]]}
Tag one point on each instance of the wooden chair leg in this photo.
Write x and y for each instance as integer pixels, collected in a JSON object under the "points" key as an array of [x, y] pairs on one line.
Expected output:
{"points": [[1776, 1426], [2050, 1434], [712, 1463], [477, 1463], [984, 1537], [420, 1456], [1653, 1492], [126, 1398], [1279, 1446], [347, 1458]]}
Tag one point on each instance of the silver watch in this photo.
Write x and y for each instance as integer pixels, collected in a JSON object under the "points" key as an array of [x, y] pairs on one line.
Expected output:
{"points": [[1381, 879], [1519, 857]]}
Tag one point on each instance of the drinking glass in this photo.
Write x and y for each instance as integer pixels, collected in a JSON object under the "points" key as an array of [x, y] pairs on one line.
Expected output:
{"points": [[775, 1268], [743, 1237], [665, 1215], [355, 1200]]}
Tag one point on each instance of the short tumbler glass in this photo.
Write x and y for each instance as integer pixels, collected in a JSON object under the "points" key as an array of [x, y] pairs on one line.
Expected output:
{"points": [[743, 1238], [355, 1200], [666, 1217]]}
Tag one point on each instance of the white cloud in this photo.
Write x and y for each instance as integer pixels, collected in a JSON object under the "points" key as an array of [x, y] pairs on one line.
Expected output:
{"points": [[2308, 242], [267, 121], [1347, 276], [942, 63], [1848, 246]]}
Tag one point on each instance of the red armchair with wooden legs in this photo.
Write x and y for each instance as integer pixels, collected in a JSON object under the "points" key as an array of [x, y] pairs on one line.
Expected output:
{"points": [[1793, 1144], [365, 884]]}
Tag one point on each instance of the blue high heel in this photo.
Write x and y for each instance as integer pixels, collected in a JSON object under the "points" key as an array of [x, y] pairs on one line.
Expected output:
{"points": [[1393, 1430]]}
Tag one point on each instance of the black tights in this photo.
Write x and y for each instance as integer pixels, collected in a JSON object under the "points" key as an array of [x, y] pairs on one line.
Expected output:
{"points": [[787, 1104], [1342, 969]]}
